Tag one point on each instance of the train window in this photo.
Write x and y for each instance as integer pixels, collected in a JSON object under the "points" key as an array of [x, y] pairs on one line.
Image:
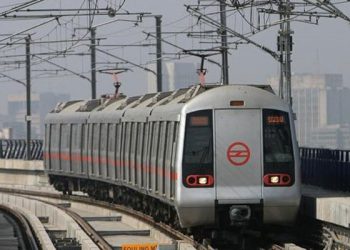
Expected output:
{"points": [[168, 155], [83, 146], [95, 134], [53, 141], [58, 136], [75, 136], [62, 136], [90, 147], [95, 148], [65, 136], [144, 155], [155, 155], [122, 148], [160, 157], [47, 146], [47, 137], [118, 147], [277, 137], [132, 153], [111, 137], [152, 151], [126, 150], [198, 139], [103, 140], [72, 144], [138, 153], [164, 161], [78, 136], [83, 138], [131, 150], [173, 158], [59, 145], [70, 136]]}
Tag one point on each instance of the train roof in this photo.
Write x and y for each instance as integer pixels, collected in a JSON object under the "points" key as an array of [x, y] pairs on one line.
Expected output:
{"points": [[162, 105]]}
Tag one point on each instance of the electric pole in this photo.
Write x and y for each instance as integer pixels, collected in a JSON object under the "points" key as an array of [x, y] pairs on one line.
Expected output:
{"points": [[289, 45], [159, 53], [224, 51], [285, 45], [93, 62], [28, 100]]}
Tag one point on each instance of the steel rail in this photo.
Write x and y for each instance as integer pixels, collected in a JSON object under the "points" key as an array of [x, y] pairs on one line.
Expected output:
{"points": [[29, 239], [87, 228]]}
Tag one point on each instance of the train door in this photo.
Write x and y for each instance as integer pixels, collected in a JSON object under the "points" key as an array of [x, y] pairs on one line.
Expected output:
{"points": [[238, 164]]}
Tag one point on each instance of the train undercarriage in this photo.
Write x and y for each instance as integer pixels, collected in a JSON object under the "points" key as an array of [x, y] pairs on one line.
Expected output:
{"points": [[158, 210]]}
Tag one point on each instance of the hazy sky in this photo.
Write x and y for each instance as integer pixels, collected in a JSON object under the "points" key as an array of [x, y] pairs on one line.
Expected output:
{"points": [[322, 48]]}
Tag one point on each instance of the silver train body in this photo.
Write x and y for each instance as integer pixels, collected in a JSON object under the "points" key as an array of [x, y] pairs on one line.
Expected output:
{"points": [[213, 154]]}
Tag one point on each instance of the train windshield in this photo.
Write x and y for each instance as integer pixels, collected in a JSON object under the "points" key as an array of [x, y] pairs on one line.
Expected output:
{"points": [[278, 147], [198, 139]]}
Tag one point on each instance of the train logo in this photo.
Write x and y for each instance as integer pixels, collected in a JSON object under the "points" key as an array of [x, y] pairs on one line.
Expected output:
{"points": [[238, 153]]}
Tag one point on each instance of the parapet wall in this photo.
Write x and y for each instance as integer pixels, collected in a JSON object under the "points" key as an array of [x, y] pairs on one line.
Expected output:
{"points": [[22, 173], [21, 164]]}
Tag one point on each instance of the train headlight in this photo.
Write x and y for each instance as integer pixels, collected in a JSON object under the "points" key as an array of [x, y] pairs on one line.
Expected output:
{"points": [[280, 179], [203, 180], [274, 179], [199, 181]]}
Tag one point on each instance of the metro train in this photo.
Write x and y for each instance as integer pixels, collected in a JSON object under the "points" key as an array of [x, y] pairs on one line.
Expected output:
{"points": [[202, 156]]}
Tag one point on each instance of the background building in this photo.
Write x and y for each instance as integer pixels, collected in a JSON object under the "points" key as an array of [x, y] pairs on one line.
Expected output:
{"points": [[320, 102], [176, 75], [332, 136], [41, 104]]}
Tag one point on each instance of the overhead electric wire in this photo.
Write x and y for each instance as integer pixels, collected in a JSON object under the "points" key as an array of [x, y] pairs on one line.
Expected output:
{"points": [[28, 29], [64, 68], [20, 6], [74, 21]]}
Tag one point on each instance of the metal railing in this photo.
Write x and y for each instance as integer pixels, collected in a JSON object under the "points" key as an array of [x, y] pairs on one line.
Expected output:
{"points": [[326, 168], [17, 149]]}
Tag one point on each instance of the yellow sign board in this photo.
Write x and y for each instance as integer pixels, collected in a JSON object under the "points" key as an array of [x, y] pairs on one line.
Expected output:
{"points": [[142, 246]]}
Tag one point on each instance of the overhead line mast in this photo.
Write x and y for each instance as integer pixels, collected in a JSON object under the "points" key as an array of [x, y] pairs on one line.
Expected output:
{"points": [[224, 48], [159, 53], [28, 97]]}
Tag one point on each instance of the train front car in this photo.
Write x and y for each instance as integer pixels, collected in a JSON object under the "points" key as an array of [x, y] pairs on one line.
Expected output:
{"points": [[238, 159]]}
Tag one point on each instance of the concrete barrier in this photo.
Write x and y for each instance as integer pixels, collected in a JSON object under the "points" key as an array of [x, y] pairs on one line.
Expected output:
{"points": [[58, 219], [21, 164], [23, 174], [325, 205]]}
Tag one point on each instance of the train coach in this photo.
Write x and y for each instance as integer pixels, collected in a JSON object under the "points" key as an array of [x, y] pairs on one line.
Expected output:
{"points": [[201, 156]]}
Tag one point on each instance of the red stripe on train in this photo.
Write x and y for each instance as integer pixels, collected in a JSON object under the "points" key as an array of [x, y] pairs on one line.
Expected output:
{"points": [[116, 163]]}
